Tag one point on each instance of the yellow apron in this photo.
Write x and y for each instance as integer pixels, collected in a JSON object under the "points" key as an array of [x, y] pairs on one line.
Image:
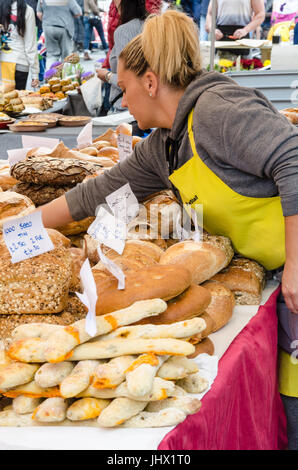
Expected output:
{"points": [[254, 225], [288, 375], [8, 71]]}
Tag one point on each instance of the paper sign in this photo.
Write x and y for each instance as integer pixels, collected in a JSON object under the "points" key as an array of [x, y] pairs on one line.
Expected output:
{"points": [[108, 230], [123, 203], [84, 138], [26, 237], [196, 235], [89, 297], [124, 143], [17, 155], [29, 141], [113, 268]]}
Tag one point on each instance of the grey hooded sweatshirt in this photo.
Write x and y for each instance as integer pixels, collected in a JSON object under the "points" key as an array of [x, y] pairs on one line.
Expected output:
{"points": [[239, 135]]}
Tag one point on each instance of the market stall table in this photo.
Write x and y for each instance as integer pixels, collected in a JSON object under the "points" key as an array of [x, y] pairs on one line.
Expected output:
{"points": [[243, 409]]}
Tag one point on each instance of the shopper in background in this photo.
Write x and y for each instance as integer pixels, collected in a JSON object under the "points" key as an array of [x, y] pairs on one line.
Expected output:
{"points": [[57, 18], [79, 33], [18, 19], [235, 18], [203, 15], [41, 56], [132, 16], [92, 20]]}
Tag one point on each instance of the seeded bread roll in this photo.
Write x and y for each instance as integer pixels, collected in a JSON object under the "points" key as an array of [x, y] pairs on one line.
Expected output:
{"points": [[245, 278], [164, 282], [14, 205], [204, 259], [53, 171], [76, 227], [192, 302], [222, 303], [35, 285]]}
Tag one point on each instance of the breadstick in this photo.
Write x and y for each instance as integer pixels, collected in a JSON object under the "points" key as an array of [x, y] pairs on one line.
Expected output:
{"points": [[79, 378], [11, 418], [86, 408], [183, 329], [161, 389], [49, 375], [34, 330], [176, 368], [23, 405], [166, 417], [60, 343], [52, 410], [119, 411], [112, 373], [32, 390], [189, 405], [16, 373], [193, 383], [141, 373], [121, 347], [27, 350]]}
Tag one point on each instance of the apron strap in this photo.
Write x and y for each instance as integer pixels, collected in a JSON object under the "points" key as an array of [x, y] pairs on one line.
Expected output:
{"points": [[190, 132]]}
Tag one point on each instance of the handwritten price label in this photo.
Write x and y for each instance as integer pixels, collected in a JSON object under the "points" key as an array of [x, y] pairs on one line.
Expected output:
{"points": [[26, 237], [108, 230], [123, 203], [89, 297], [113, 268], [124, 143]]}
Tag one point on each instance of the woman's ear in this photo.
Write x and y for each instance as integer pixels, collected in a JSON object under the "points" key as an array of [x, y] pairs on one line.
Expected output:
{"points": [[150, 81]]}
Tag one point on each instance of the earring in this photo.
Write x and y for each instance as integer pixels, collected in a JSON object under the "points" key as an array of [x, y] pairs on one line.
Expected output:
{"points": [[150, 94]]}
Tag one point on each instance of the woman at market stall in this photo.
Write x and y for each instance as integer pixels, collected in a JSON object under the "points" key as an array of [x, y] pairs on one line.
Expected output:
{"points": [[216, 144], [20, 56], [132, 16]]}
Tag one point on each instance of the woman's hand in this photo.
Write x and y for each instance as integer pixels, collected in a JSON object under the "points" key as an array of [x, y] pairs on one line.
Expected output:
{"points": [[218, 35], [35, 83], [289, 285], [101, 73], [240, 33]]}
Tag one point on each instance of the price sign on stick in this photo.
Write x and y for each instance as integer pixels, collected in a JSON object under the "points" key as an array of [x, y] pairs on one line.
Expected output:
{"points": [[113, 268], [124, 143], [197, 233], [109, 230], [17, 155], [26, 237], [123, 203], [89, 297], [84, 138]]}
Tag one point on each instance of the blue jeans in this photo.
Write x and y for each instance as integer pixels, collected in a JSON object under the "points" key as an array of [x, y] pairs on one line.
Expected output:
{"points": [[89, 23], [296, 34]]}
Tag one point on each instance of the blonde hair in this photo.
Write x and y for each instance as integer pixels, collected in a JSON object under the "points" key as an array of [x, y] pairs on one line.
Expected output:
{"points": [[169, 46]]}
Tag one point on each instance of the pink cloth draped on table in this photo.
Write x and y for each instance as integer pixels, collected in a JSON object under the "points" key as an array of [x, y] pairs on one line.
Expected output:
{"points": [[243, 410]]}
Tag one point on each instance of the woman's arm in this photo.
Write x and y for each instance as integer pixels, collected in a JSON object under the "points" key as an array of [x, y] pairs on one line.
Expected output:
{"points": [[290, 274], [208, 25], [258, 9], [56, 213]]}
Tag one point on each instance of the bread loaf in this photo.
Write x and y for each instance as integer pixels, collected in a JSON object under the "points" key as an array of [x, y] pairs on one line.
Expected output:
{"points": [[7, 182], [35, 285], [245, 278], [205, 346], [164, 282], [222, 303], [38, 193], [192, 302], [163, 210], [203, 259], [79, 226], [14, 205], [77, 259]]}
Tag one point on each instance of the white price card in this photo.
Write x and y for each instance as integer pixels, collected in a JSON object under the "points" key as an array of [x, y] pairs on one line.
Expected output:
{"points": [[26, 237], [84, 138], [196, 235], [123, 203], [34, 141], [113, 268], [89, 297], [17, 155], [109, 230], [124, 143]]}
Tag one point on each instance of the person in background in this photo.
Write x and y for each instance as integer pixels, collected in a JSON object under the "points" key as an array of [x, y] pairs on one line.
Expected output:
{"points": [[57, 18], [152, 6], [92, 20], [202, 24], [235, 18], [41, 55], [79, 33], [132, 17], [18, 19]]}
